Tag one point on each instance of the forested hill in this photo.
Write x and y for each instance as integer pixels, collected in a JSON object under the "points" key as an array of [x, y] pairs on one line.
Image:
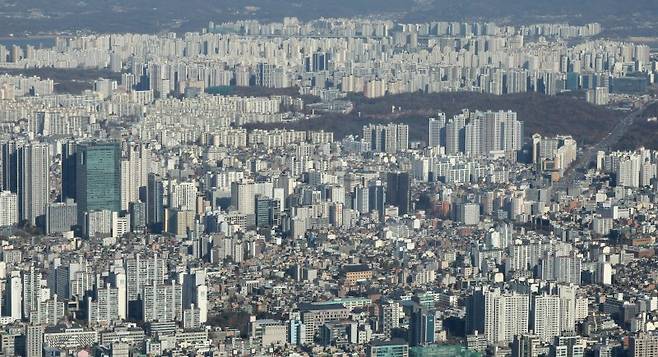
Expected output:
{"points": [[547, 115]]}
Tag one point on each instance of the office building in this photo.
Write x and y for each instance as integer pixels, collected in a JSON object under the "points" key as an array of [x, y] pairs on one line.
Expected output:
{"points": [[268, 332], [9, 160], [267, 211], [137, 212], [398, 191], [567, 346], [422, 326], [526, 346], [155, 203], [377, 198], [314, 316], [98, 177], [69, 174]]}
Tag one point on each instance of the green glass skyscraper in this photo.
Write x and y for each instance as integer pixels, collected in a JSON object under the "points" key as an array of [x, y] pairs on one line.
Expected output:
{"points": [[98, 177]]}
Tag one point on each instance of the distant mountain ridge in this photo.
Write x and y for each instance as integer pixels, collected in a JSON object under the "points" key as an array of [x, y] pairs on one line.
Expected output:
{"points": [[18, 16]]}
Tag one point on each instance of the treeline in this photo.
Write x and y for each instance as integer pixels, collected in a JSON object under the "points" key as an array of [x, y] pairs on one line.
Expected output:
{"points": [[547, 115]]}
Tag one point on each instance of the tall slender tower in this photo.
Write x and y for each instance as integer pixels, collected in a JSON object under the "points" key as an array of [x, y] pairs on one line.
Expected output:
{"points": [[8, 166], [154, 206], [135, 167], [69, 159], [33, 162], [13, 302]]}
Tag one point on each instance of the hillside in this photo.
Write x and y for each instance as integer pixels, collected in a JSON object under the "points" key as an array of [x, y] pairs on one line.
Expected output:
{"points": [[642, 133], [66, 80], [548, 115]]}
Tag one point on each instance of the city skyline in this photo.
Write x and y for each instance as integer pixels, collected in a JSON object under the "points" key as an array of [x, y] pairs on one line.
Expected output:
{"points": [[374, 180]]}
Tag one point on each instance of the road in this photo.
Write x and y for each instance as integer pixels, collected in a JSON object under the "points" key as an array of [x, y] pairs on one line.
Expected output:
{"points": [[588, 154]]}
